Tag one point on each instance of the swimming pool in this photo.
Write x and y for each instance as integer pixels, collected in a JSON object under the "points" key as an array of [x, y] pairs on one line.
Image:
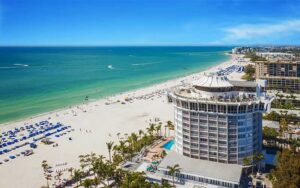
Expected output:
{"points": [[168, 145]]}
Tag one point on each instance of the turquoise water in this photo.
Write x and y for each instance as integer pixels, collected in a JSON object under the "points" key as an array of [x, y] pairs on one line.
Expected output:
{"points": [[169, 144], [34, 80]]}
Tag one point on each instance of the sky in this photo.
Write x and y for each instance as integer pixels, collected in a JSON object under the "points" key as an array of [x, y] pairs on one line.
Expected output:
{"points": [[149, 22]]}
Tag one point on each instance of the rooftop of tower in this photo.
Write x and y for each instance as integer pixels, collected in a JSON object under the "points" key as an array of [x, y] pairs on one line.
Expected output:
{"points": [[214, 87], [212, 80]]}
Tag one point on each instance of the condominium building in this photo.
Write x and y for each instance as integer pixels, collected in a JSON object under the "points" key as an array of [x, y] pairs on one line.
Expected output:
{"points": [[280, 75]]}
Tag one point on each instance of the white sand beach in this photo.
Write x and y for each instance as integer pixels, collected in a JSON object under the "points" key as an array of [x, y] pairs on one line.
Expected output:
{"points": [[94, 124]]}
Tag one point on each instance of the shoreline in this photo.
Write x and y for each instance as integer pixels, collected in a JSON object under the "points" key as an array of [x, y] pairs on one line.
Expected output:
{"points": [[93, 124], [2, 125]]}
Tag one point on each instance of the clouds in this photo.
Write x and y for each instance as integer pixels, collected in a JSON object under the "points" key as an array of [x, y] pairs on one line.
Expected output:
{"points": [[261, 31]]}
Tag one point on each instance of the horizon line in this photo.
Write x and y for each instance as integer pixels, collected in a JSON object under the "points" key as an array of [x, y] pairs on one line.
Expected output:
{"points": [[178, 45]]}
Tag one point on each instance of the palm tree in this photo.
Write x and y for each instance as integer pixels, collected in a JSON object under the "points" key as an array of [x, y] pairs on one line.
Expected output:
{"points": [[151, 129], [280, 98], [247, 162], [71, 172], [172, 170], [118, 135], [258, 157], [126, 135], [170, 126], [158, 129], [58, 176], [87, 183], [163, 154], [292, 96], [283, 125], [166, 130], [77, 175], [121, 148], [109, 147], [155, 157], [141, 132], [47, 174]]}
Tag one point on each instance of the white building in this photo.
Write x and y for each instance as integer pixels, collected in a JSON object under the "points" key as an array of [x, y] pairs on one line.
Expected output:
{"points": [[276, 56], [217, 121]]}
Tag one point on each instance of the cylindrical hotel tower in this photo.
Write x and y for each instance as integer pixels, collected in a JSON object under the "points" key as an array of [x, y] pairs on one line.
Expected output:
{"points": [[219, 120]]}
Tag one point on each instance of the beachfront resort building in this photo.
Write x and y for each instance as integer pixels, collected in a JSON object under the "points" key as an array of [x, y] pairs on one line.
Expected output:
{"points": [[276, 56], [218, 122], [280, 75]]}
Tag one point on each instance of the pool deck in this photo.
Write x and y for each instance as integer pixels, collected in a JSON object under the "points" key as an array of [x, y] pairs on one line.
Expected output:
{"points": [[156, 149]]}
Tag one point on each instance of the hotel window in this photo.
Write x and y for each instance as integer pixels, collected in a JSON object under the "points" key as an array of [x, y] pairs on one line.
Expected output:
{"points": [[203, 128], [194, 106], [185, 112], [261, 106], [194, 120], [222, 123], [250, 108], [202, 107], [212, 141], [186, 131], [212, 116], [222, 116], [203, 140], [186, 148], [186, 125], [256, 107], [178, 103], [242, 109], [213, 153], [241, 123], [222, 142], [203, 116], [203, 134], [232, 136], [232, 120], [212, 123], [203, 121], [221, 108], [213, 129], [222, 130], [194, 133], [185, 105], [232, 109], [212, 108], [185, 142], [194, 113], [194, 145]]}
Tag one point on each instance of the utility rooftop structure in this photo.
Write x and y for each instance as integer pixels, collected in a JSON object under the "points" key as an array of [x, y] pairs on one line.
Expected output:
{"points": [[219, 120], [202, 171]]}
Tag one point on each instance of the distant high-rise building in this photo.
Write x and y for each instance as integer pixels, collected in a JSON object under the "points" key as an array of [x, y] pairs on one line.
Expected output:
{"points": [[280, 75]]}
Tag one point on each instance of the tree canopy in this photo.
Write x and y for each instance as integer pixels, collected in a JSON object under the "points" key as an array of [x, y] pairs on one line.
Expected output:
{"points": [[287, 172]]}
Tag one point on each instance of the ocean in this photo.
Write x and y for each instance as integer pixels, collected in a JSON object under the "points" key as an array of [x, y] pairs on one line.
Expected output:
{"points": [[35, 80]]}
